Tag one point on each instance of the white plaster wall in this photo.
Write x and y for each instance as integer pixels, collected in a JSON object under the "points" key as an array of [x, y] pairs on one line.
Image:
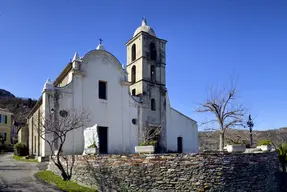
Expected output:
{"points": [[116, 112], [180, 125], [66, 103]]}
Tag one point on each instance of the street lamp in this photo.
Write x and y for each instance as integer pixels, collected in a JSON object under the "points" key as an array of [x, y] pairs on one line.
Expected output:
{"points": [[250, 124]]}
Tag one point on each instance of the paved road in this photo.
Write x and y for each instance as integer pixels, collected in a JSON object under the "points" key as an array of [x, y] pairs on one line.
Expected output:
{"points": [[17, 176]]}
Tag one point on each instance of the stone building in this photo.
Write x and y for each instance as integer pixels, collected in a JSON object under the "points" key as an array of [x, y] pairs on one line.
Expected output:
{"points": [[122, 100], [5, 126]]}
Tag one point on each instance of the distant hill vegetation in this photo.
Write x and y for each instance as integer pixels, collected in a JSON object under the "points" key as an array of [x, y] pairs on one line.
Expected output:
{"points": [[6, 94], [20, 107], [209, 140]]}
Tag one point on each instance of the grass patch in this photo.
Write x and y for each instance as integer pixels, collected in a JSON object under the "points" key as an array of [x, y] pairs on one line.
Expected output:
{"points": [[19, 158], [68, 186]]}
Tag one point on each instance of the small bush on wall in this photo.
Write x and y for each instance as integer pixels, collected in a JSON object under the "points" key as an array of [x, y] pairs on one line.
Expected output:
{"points": [[20, 149], [264, 142]]}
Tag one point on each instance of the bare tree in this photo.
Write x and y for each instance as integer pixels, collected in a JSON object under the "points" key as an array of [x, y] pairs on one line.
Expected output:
{"points": [[226, 113], [54, 129], [150, 134], [54, 132]]}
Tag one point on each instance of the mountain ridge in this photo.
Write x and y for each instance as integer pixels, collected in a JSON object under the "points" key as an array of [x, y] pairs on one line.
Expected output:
{"points": [[19, 106], [209, 140]]}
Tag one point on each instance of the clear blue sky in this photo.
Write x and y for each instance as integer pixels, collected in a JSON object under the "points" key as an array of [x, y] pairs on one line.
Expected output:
{"points": [[208, 41]]}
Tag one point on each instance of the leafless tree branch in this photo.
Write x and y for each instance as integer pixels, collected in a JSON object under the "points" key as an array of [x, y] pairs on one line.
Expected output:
{"points": [[53, 128], [221, 105]]}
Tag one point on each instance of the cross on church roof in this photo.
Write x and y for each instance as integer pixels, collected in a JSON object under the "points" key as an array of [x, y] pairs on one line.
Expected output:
{"points": [[100, 41], [144, 20]]}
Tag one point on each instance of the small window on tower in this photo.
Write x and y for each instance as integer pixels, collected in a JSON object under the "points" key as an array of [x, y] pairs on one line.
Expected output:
{"points": [[102, 90], [133, 52], [133, 74], [134, 92], [152, 73], [152, 52], [153, 104]]}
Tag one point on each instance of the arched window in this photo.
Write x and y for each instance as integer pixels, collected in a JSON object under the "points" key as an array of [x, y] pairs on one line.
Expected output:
{"points": [[152, 51], [153, 104], [133, 74], [152, 73], [134, 52]]}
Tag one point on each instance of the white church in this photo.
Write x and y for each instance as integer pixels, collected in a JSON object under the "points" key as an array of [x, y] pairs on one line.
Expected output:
{"points": [[122, 100]]}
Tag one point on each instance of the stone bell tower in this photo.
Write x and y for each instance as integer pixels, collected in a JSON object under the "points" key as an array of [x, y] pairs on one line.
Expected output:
{"points": [[146, 64]]}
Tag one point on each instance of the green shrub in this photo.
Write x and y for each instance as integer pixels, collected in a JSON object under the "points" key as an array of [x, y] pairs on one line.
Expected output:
{"points": [[93, 145], [145, 143], [20, 149], [264, 142]]}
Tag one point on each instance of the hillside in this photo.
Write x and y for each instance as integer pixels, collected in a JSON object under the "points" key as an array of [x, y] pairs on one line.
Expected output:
{"points": [[20, 107], [209, 140]]}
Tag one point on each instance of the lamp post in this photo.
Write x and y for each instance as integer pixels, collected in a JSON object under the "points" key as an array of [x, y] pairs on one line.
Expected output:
{"points": [[250, 124]]}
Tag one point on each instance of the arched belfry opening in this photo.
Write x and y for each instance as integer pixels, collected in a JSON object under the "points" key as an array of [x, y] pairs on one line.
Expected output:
{"points": [[133, 52], [152, 51]]}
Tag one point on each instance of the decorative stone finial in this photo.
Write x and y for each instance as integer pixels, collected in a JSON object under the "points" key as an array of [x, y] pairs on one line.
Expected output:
{"points": [[100, 47], [144, 23], [76, 57], [48, 85]]}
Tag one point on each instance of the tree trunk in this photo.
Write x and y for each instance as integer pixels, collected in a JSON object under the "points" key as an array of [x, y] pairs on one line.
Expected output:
{"points": [[221, 141], [251, 140], [284, 167], [64, 173]]}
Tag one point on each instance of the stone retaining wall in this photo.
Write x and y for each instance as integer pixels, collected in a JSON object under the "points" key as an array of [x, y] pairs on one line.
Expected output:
{"points": [[178, 172]]}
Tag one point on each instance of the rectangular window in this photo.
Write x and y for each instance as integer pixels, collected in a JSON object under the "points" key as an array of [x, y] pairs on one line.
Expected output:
{"points": [[5, 136], [133, 92], [1, 121], [102, 90], [6, 119]]}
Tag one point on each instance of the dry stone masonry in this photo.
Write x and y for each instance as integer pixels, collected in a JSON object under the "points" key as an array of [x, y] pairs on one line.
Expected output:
{"points": [[177, 172]]}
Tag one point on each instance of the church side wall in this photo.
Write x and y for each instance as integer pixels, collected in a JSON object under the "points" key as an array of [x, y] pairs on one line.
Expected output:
{"points": [[179, 125], [30, 127], [35, 144]]}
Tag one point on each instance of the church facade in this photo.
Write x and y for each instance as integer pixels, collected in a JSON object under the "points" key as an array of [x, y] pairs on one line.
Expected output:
{"points": [[122, 100]]}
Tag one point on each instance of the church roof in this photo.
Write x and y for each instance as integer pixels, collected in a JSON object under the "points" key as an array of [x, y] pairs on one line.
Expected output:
{"points": [[145, 28]]}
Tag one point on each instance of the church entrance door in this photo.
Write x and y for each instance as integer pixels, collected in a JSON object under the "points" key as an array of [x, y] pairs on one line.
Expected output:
{"points": [[103, 139], [179, 144]]}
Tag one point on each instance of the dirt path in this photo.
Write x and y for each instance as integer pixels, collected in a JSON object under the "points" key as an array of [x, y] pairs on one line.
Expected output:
{"points": [[18, 176]]}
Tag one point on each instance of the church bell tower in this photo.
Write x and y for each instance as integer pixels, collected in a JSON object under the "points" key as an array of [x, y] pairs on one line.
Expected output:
{"points": [[146, 64]]}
